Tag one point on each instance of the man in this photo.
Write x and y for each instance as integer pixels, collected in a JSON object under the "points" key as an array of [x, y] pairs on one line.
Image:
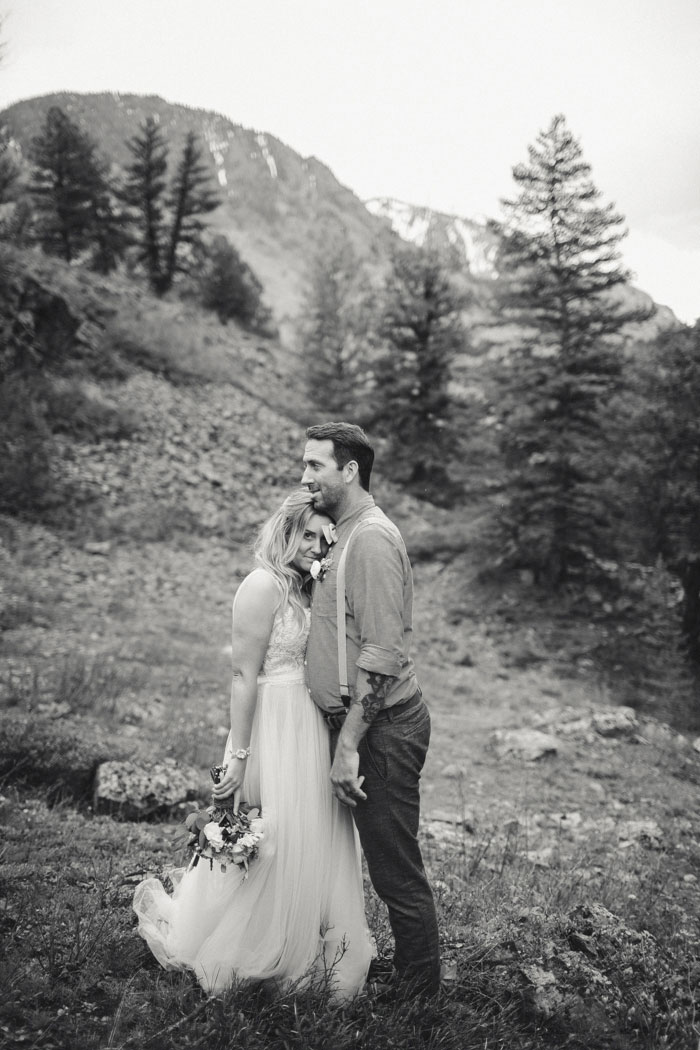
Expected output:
{"points": [[383, 725]]}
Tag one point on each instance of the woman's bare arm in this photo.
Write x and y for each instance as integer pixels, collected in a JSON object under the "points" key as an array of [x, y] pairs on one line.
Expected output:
{"points": [[254, 611]]}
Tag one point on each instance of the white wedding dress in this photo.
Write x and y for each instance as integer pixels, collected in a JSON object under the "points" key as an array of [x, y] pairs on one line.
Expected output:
{"points": [[299, 916]]}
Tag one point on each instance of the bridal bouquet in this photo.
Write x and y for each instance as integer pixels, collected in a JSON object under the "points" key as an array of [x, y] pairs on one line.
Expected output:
{"points": [[218, 833]]}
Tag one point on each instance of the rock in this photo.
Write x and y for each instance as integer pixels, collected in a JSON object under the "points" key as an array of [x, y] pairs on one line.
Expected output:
{"points": [[464, 820], [528, 744], [207, 471], [100, 547], [453, 771], [541, 991], [639, 833], [132, 792], [617, 722]]}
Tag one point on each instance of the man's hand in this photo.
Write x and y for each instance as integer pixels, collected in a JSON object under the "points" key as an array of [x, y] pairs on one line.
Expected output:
{"points": [[347, 785]]}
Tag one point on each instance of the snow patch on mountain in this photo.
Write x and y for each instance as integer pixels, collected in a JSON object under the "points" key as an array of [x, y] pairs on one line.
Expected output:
{"points": [[265, 150], [217, 147], [467, 240]]}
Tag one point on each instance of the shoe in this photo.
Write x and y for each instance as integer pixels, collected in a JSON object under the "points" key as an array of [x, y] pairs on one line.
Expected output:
{"points": [[380, 969]]}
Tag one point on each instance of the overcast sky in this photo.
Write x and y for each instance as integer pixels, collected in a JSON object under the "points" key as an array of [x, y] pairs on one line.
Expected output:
{"points": [[429, 102]]}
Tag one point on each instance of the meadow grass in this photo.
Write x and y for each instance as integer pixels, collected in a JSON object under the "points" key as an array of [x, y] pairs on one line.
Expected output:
{"points": [[78, 977]]}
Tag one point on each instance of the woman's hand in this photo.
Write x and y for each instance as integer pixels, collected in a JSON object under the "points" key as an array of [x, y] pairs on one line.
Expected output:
{"points": [[231, 782]]}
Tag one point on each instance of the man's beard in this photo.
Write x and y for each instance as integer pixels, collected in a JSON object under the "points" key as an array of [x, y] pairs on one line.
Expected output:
{"points": [[325, 503]]}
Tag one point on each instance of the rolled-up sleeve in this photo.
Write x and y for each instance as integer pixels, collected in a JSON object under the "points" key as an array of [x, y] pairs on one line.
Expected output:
{"points": [[375, 588]]}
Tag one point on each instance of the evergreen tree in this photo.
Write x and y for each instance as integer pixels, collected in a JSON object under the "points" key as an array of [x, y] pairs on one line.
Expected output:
{"points": [[421, 331], [9, 169], [673, 470], [228, 286], [143, 192], [190, 197], [69, 187], [560, 266], [335, 330]]}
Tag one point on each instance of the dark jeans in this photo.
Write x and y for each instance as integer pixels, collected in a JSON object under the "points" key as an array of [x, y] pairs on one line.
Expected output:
{"points": [[391, 759]]}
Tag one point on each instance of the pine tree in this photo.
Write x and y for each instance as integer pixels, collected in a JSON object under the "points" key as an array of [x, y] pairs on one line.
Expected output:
{"points": [[228, 286], [69, 187], [421, 330], [190, 196], [167, 220], [9, 169], [143, 192], [673, 469], [559, 268], [334, 330]]}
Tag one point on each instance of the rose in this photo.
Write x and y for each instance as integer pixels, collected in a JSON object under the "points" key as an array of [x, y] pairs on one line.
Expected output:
{"points": [[213, 834], [256, 827], [315, 570]]}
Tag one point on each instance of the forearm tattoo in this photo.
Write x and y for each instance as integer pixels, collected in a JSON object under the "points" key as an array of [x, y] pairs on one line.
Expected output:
{"points": [[373, 702]]}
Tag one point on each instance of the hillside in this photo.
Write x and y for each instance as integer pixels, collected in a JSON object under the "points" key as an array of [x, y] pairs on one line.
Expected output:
{"points": [[277, 206], [560, 830]]}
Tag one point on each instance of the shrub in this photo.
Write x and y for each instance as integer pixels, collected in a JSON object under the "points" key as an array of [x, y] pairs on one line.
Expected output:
{"points": [[25, 458], [44, 753], [229, 287]]}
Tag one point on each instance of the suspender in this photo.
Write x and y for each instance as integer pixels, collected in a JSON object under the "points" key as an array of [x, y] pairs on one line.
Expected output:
{"points": [[340, 606]]}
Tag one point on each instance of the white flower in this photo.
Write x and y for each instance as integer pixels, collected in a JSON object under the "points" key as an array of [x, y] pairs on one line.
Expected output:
{"points": [[212, 832], [257, 827], [315, 569], [330, 534]]}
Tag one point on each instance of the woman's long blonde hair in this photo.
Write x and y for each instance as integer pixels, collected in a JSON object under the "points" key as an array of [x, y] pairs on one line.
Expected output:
{"points": [[278, 542]]}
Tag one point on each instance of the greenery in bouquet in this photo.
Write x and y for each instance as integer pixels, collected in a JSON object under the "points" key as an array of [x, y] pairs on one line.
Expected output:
{"points": [[224, 834]]}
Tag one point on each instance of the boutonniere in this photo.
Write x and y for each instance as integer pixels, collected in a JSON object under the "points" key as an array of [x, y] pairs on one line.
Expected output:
{"points": [[330, 534], [320, 568]]}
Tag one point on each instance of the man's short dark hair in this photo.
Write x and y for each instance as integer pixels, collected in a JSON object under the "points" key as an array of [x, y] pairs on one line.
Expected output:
{"points": [[349, 442]]}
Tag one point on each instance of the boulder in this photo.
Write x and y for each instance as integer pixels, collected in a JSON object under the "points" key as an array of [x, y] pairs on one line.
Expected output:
{"points": [[527, 744], [616, 722], [128, 791]]}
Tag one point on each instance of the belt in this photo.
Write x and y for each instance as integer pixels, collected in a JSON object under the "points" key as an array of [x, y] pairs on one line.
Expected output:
{"points": [[334, 719]]}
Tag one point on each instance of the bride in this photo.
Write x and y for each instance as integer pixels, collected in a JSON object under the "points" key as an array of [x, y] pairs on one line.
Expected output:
{"points": [[298, 918]]}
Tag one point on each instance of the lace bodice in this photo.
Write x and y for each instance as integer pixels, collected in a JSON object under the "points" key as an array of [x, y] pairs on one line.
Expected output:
{"points": [[287, 646]]}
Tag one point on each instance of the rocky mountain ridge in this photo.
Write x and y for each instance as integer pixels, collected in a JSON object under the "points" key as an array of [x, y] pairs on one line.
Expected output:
{"points": [[279, 208]]}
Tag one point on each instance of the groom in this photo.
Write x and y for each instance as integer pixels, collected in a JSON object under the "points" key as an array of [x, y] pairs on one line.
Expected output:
{"points": [[383, 725]]}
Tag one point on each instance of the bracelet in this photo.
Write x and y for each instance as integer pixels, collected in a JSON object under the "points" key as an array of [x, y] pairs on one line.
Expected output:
{"points": [[242, 753]]}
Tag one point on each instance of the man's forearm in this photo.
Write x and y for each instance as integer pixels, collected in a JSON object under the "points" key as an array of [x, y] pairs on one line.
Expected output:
{"points": [[369, 697]]}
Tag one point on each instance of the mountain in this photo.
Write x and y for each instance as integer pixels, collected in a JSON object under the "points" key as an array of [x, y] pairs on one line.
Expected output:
{"points": [[470, 248], [277, 207], [466, 243]]}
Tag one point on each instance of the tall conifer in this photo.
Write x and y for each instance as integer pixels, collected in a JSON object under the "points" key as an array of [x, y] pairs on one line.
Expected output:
{"points": [[421, 331], [143, 192], [334, 330], [69, 187], [559, 264], [190, 197]]}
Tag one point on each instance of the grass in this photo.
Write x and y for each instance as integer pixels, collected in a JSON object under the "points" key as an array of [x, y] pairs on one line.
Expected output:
{"points": [[77, 976], [519, 894]]}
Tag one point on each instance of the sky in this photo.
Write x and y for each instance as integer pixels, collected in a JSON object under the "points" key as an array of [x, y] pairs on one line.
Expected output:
{"points": [[428, 101]]}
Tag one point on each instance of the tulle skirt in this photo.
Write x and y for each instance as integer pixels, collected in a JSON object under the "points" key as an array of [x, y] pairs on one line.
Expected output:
{"points": [[298, 918]]}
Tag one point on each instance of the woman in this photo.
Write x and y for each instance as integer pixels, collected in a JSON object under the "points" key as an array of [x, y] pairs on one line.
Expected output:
{"points": [[299, 915]]}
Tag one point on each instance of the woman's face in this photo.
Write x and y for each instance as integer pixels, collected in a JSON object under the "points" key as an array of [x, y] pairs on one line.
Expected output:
{"points": [[313, 545]]}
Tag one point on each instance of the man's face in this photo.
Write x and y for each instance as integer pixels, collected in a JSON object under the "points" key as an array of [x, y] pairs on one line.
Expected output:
{"points": [[323, 477]]}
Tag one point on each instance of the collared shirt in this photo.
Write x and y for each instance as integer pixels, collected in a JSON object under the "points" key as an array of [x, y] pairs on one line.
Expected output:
{"points": [[378, 611]]}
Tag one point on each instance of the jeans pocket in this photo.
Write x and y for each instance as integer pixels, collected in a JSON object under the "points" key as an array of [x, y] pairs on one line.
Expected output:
{"points": [[373, 754]]}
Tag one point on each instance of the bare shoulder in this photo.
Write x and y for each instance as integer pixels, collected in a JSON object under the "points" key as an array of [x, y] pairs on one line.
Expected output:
{"points": [[258, 596]]}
